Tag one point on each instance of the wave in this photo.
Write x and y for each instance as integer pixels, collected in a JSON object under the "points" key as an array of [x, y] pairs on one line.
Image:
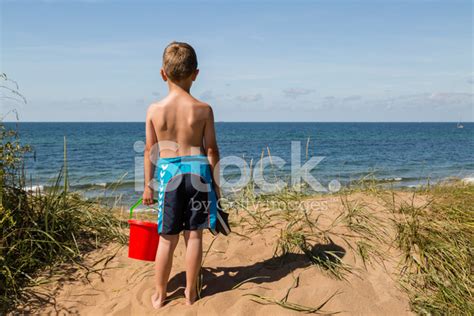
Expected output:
{"points": [[34, 188], [104, 185], [82, 186], [384, 180], [395, 179], [468, 180]]}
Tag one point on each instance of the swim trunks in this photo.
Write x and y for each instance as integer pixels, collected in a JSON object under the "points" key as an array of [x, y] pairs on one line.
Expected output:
{"points": [[186, 196]]}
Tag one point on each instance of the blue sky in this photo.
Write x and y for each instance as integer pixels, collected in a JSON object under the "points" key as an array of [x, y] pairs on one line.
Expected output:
{"points": [[264, 61]]}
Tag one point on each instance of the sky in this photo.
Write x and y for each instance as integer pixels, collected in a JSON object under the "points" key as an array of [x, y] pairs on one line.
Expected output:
{"points": [[258, 60]]}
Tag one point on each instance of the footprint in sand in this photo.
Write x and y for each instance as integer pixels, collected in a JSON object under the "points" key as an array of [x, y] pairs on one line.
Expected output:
{"points": [[143, 294]]}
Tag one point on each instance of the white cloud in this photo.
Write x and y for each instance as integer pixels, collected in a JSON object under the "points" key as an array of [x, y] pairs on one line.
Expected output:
{"points": [[293, 93], [250, 97]]}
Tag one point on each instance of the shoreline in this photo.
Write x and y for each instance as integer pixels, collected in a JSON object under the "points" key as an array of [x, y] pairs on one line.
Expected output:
{"points": [[97, 191]]}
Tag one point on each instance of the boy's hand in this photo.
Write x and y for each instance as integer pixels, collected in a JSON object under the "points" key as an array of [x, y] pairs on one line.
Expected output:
{"points": [[148, 196]]}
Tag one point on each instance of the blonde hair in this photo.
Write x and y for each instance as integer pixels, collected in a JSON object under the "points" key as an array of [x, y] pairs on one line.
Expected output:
{"points": [[179, 61]]}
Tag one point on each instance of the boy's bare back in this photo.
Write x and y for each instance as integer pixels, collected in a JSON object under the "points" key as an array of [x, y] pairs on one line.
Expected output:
{"points": [[179, 122]]}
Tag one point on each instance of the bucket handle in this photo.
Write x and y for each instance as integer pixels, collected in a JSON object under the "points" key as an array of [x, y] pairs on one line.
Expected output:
{"points": [[136, 204]]}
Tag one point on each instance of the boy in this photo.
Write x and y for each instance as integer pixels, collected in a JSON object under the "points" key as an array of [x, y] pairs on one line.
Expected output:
{"points": [[183, 129]]}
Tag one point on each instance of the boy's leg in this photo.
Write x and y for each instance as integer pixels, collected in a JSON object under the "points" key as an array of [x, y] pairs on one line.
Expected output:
{"points": [[164, 261], [193, 239]]}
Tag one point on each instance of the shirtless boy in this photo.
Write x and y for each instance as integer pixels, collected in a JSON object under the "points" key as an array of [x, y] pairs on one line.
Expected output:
{"points": [[180, 130]]}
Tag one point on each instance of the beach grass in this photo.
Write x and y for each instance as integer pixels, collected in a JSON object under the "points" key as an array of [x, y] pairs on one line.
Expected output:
{"points": [[437, 241], [284, 303], [42, 230]]}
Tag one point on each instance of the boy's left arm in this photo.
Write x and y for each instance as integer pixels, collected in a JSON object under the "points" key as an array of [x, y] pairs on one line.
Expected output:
{"points": [[150, 157]]}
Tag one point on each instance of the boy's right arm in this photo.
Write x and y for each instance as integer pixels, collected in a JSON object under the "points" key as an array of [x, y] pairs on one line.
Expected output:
{"points": [[212, 150], [149, 159]]}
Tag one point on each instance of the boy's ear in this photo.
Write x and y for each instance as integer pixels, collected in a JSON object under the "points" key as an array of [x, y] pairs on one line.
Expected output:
{"points": [[195, 74], [163, 75]]}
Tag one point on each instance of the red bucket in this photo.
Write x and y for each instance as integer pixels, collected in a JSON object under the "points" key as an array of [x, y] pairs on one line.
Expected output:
{"points": [[144, 238]]}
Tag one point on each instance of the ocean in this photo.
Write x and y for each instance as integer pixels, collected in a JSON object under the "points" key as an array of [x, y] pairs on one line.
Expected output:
{"points": [[103, 160]]}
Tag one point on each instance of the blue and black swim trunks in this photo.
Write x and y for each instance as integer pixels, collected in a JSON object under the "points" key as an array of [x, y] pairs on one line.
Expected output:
{"points": [[186, 196]]}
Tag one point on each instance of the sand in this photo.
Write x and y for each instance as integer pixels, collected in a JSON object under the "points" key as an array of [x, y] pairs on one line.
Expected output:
{"points": [[125, 286]]}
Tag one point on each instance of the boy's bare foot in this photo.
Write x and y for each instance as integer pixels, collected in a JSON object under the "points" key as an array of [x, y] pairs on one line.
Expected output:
{"points": [[156, 301], [191, 296]]}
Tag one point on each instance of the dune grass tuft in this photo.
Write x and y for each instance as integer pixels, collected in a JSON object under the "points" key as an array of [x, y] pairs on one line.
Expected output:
{"points": [[437, 240], [283, 302], [41, 230]]}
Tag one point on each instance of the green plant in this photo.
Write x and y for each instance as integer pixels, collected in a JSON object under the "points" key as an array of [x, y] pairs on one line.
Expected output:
{"points": [[437, 240], [283, 302], [42, 229]]}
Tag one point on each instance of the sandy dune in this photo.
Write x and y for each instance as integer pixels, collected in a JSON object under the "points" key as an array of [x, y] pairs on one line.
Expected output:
{"points": [[125, 287]]}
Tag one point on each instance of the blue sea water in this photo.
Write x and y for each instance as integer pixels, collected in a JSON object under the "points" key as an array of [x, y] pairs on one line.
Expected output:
{"points": [[102, 156]]}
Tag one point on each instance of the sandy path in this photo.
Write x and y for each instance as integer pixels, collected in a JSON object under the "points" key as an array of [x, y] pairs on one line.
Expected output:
{"points": [[126, 286]]}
